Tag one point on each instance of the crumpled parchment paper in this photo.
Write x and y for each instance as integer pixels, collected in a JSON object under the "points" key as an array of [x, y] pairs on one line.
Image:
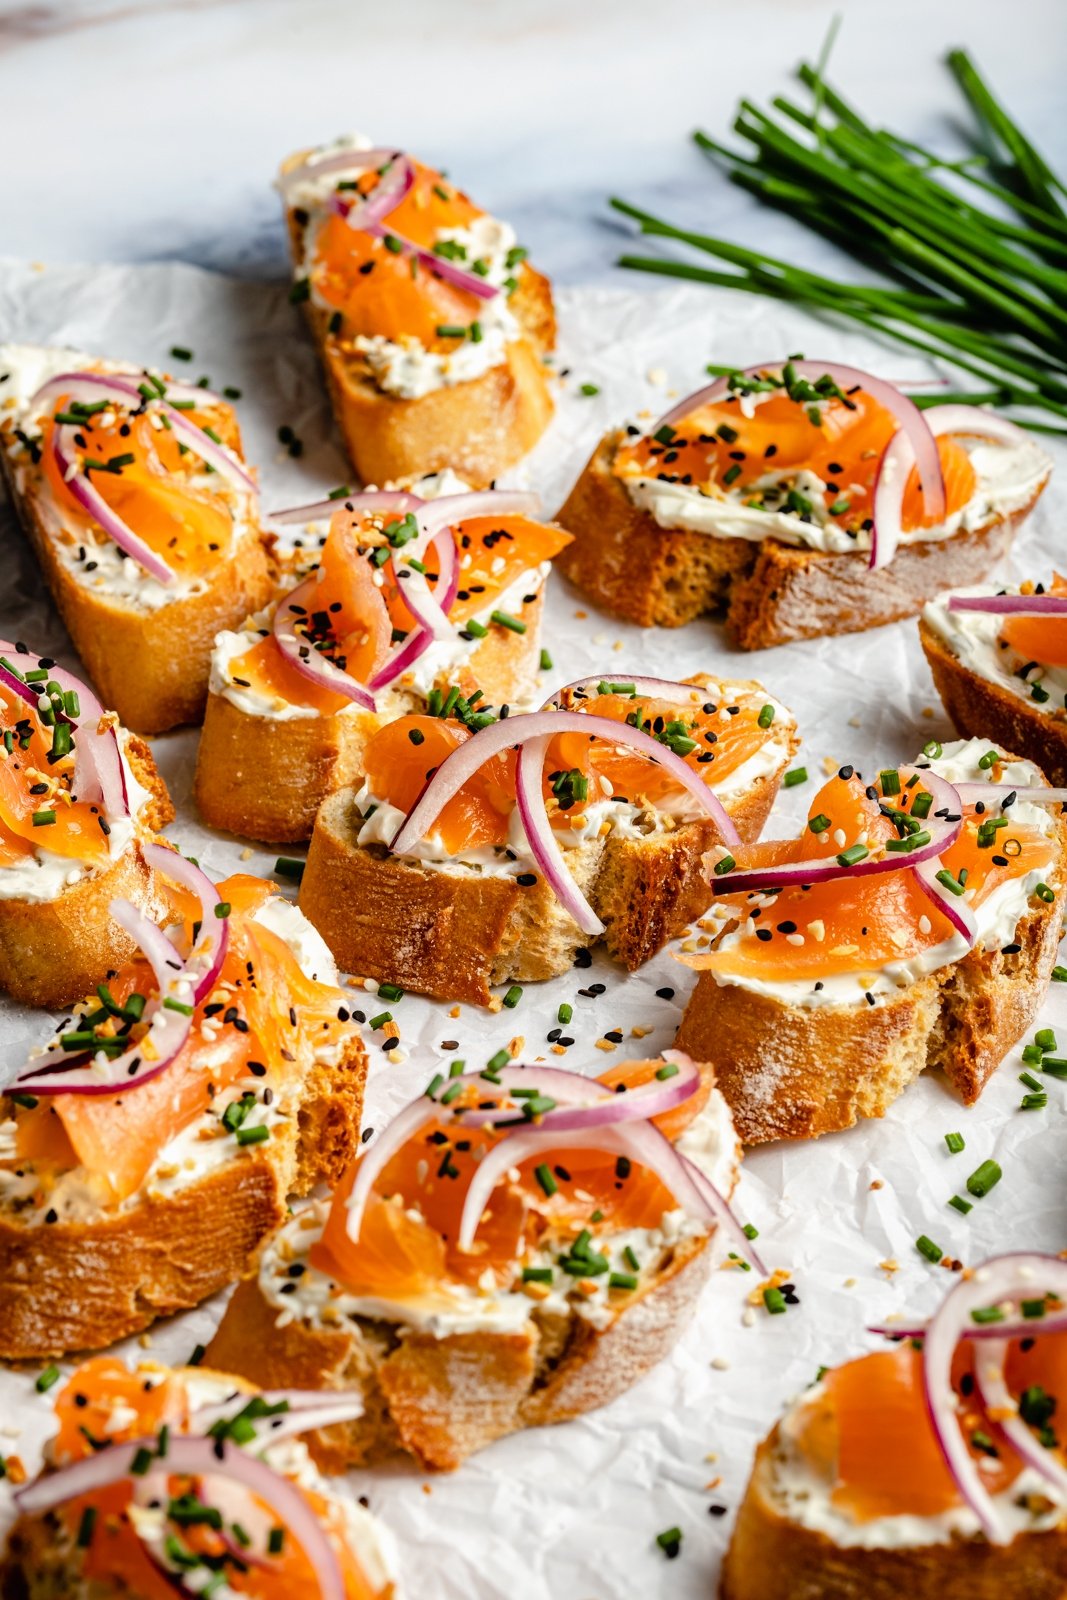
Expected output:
{"points": [[572, 1512]]}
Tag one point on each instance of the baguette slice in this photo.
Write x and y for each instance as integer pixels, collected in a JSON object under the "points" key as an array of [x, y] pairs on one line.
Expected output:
{"points": [[151, 664], [54, 951], [771, 592], [455, 932], [771, 1555], [795, 1072], [979, 708], [479, 427], [442, 1386], [265, 778]]}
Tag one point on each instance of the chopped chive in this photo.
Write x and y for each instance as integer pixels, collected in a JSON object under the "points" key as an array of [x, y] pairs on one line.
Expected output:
{"points": [[1044, 893], [955, 1142], [953, 885], [537, 1274], [820, 824], [46, 1379], [380, 1020], [990, 759], [798, 775], [932, 750], [984, 1178], [499, 1061], [1031, 1082], [85, 1528], [170, 1004], [774, 1300], [668, 1070], [1055, 1066], [890, 781], [290, 867], [389, 991], [854, 853], [1059, 974], [589, 389], [546, 661], [670, 1542], [223, 909], [513, 996], [1045, 1038], [1034, 1102], [43, 819], [926, 1247], [982, 1315], [504, 619], [750, 1231], [959, 1204], [766, 716], [622, 1280], [727, 864], [254, 1135], [565, 1012], [543, 1174]]}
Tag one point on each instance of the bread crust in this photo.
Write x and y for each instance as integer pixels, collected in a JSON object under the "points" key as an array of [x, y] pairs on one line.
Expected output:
{"points": [[53, 952], [772, 592], [441, 1399], [770, 1555], [151, 666], [454, 934], [265, 779], [980, 709], [478, 428], [72, 1286], [795, 1072]]}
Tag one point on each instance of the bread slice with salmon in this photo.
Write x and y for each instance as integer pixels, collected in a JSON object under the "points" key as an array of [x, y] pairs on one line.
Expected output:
{"points": [[928, 1468], [80, 799], [516, 1248], [998, 655], [914, 925], [789, 498], [458, 864], [153, 1145], [163, 1480], [432, 326], [134, 494], [296, 693]]}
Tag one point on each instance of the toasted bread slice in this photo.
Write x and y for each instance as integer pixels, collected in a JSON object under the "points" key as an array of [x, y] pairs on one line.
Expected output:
{"points": [[793, 1072], [441, 1399], [979, 708], [84, 1284], [771, 592], [150, 662], [770, 1554], [479, 427], [456, 931], [266, 777], [52, 952]]}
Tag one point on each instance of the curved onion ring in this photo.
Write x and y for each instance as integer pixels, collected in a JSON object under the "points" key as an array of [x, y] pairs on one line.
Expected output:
{"points": [[913, 425], [363, 212], [1009, 1277], [952, 906], [644, 688], [306, 1409], [150, 939], [211, 946], [578, 1109], [363, 500], [943, 833], [1017, 605], [974, 793], [320, 164], [464, 761], [93, 503], [900, 456], [189, 1456], [440, 266], [1001, 1405], [99, 775], [75, 1072]]}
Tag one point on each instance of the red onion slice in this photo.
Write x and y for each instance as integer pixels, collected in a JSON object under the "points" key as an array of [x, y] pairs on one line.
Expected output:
{"points": [[99, 775], [94, 504], [1001, 1405], [952, 906], [720, 1206], [1006, 1278], [289, 616], [541, 836], [582, 1106], [161, 955], [513, 732], [364, 212], [943, 832], [441, 267], [639, 1141], [305, 1409], [219, 456], [644, 689], [320, 164], [1017, 605], [73, 1071], [209, 951], [397, 500], [1010, 1328], [188, 1456], [912, 421], [900, 456], [974, 793]]}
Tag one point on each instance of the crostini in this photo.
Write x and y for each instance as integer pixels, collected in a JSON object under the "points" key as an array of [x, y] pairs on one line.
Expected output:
{"points": [[148, 1151], [143, 515], [914, 924], [410, 597], [517, 1247], [80, 798], [162, 1481], [999, 660], [802, 499], [934, 1469], [431, 324], [481, 850]]}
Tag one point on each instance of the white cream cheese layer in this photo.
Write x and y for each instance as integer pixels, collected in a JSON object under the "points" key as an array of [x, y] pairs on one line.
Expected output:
{"points": [[803, 1495], [997, 917], [203, 1147], [43, 876], [94, 561], [1009, 476], [973, 637], [405, 368], [300, 1293]]}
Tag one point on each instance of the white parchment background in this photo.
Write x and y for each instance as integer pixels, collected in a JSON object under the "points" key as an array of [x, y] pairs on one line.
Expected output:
{"points": [[572, 1512]]}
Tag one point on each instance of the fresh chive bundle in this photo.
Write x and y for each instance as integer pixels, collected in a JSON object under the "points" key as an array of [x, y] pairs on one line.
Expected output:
{"points": [[977, 247]]}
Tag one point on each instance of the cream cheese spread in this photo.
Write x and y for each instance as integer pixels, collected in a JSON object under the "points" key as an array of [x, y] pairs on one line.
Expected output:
{"points": [[973, 637]]}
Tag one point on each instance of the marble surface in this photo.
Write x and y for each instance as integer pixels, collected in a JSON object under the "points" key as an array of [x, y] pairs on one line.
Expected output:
{"points": [[172, 114]]}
